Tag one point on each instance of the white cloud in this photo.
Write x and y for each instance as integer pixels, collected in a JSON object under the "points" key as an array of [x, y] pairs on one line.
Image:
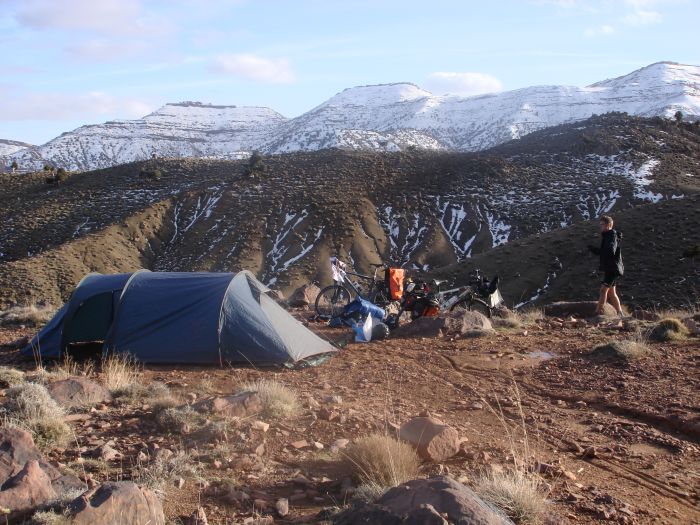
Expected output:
{"points": [[60, 106], [464, 84], [642, 17], [102, 49], [113, 16], [642, 13], [599, 30], [273, 70]]}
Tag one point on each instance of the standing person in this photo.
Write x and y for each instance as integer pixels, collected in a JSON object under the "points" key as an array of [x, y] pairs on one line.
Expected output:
{"points": [[610, 264]]}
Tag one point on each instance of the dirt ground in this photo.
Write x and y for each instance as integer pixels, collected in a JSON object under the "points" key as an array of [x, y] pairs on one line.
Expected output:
{"points": [[617, 442]]}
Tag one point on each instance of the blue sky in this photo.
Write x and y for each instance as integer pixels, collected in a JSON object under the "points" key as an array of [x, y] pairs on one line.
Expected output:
{"points": [[73, 62]]}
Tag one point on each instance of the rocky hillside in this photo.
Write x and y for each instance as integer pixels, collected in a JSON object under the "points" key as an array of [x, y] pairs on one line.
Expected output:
{"points": [[390, 117], [421, 210], [10, 147]]}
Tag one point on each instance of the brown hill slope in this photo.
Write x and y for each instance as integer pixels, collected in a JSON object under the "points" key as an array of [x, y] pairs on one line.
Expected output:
{"points": [[558, 266], [415, 209]]}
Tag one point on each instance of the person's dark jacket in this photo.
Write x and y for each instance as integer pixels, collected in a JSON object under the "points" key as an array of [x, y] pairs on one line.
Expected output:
{"points": [[610, 252]]}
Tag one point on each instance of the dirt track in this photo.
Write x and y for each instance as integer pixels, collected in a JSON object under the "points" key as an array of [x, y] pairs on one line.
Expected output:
{"points": [[639, 423]]}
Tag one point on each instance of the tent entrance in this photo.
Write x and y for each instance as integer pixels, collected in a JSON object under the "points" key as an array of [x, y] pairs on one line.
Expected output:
{"points": [[85, 332]]}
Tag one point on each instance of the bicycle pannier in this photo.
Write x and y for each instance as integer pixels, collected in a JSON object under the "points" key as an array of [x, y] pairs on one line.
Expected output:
{"points": [[394, 282]]}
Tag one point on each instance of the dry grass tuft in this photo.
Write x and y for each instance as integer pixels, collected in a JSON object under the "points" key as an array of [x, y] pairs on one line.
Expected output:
{"points": [[627, 350], [32, 315], [278, 400], [69, 367], [531, 315], [180, 420], [520, 495], [156, 394], [10, 377], [510, 320], [380, 462], [120, 372], [159, 472], [670, 329], [48, 517], [30, 406]]}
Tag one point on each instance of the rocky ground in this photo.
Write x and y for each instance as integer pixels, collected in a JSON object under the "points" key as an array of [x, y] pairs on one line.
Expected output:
{"points": [[614, 437]]}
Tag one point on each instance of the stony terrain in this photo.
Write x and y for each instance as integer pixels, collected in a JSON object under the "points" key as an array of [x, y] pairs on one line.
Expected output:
{"points": [[419, 210], [390, 117], [613, 439]]}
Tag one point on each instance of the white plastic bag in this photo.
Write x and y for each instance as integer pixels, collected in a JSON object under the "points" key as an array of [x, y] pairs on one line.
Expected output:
{"points": [[363, 330]]}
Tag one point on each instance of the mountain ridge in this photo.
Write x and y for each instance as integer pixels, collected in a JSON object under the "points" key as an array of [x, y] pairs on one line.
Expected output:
{"points": [[418, 209], [383, 117]]}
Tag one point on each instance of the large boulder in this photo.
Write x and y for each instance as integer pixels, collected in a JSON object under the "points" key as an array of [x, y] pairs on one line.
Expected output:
{"points": [[425, 502], [25, 491], [581, 309], [237, 405], [77, 392], [458, 323], [115, 503], [304, 295], [432, 439], [17, 448]]}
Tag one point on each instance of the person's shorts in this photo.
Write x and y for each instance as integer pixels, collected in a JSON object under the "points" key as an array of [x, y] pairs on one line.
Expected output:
{"points": [[610, 279]]}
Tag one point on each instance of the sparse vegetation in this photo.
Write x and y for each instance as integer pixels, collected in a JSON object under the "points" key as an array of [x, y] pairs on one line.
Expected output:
{"points": [[521, 496], [30, 406], [626, 349], [380, 462], [669, 329], [49, 517], [154, 174], [33, 315], [156, 394], [120, 372], [509, 320], [159, 472], [180, 420], [531, 315], [10, 377], [255, 165], [278, 400]]}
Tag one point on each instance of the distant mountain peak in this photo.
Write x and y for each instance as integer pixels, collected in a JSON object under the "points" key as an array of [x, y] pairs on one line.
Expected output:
{"points": [[377, 117]]}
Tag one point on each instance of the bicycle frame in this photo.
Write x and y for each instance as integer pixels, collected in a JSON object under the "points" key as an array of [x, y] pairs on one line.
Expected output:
{"points": [[340, 276]]}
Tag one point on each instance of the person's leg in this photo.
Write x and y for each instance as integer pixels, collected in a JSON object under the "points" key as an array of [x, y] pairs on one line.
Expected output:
{"points": [[614, 299], [602, 299]]}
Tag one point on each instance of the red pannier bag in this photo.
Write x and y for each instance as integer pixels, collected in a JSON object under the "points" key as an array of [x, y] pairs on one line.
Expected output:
{"points": [[394, 282]]}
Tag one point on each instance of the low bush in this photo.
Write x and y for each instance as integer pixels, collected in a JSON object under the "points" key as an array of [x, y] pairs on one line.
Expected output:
{"points": [[10, 377], [30, 406], [32, 315], [520, 495], [627, 349], [278, 400], [380, 462], [669, 329]]}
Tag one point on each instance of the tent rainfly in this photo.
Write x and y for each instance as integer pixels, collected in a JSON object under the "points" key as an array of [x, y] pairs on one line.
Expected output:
{"points": [[195, 318]]}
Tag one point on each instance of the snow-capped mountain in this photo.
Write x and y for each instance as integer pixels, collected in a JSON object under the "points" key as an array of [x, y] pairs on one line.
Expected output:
{"points": [[9, 147], [382, 118], [185, 129]]}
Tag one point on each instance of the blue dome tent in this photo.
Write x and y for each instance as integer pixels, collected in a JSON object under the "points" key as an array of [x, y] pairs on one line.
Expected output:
{"points": [[193, 318]]}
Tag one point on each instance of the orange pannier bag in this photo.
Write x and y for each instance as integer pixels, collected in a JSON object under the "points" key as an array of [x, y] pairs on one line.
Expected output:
{"points": [[394, 280]]}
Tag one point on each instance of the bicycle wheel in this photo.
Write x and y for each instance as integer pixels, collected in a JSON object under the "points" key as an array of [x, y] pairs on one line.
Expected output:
{"points": [[331, 301]]}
